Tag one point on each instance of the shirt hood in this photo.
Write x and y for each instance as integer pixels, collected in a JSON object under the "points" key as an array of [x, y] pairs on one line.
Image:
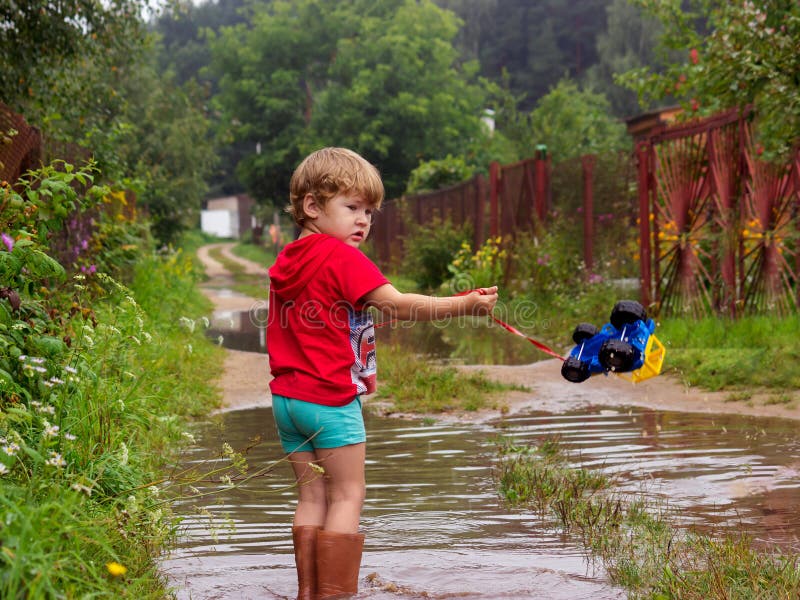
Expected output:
{"points": [[298, 262]]}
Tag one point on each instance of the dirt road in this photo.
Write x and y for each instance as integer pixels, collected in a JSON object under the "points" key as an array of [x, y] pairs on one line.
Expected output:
{"points": [[246, 375]]}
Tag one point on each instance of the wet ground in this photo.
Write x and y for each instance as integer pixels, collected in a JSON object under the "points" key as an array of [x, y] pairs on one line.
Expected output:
{"points": [[435, 526]]}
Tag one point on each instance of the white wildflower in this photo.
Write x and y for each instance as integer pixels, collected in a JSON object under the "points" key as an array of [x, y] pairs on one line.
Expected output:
{"points": [[50, 430], [3, 469], [11, 448], [56, 460], [69, 436], [79, 487], [56, 380], [188, 436], [123, 459], [72, 370]]}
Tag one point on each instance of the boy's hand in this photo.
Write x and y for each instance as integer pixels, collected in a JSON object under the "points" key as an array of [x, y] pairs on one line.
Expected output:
{"points": [[482, 301]]}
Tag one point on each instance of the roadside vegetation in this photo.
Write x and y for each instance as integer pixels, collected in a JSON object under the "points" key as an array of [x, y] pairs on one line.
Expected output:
{"points": [[640, 542], [103, 366]]}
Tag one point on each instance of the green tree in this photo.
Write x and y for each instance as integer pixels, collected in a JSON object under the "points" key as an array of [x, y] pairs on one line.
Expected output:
{"points": [[572, 122], [749, 58], [629, 42], [535, 43], [397, 95], [84, 73], [269, 70], [37, 37], [185, 50], [168, 154], [379, 77]]}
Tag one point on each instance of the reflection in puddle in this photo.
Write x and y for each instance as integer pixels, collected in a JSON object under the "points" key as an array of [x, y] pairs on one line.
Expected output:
{"points": [[463, 341], [436, 528], [240, 330]]}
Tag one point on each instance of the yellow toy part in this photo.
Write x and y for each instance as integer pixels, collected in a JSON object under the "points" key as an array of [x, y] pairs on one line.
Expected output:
{"points": [[654, 353]]}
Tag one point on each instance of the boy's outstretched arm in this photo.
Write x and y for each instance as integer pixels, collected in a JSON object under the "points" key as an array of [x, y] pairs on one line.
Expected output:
{"points": [[417, 307]]}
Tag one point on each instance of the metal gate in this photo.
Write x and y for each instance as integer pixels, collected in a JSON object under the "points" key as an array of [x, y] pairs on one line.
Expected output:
{"points": [[718, 225]]}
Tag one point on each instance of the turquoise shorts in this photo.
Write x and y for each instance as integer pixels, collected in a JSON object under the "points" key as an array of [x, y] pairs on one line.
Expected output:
{"points": [[305, 426]]}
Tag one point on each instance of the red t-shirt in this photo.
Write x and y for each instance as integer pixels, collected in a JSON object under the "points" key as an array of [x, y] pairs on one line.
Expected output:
{"points": [[321, 343]]}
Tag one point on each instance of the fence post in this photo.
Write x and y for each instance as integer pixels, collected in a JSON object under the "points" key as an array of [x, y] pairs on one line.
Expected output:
{"points": [[479, 234], [587, 162], [540, 166], [643, 156], [796, 217], [494, 192]]}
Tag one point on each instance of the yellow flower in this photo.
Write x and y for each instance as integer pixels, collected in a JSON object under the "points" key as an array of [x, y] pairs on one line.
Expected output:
{"points": [[116, 569]]}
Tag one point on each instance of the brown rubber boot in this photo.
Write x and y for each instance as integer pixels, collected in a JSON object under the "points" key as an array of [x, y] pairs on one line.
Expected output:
{"points": [[305, 557], [338, 562]]}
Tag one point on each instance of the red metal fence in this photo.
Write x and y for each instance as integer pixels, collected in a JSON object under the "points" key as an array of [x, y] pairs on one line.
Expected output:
{"points": [[718, 225], [515, 199], [592, 197]]}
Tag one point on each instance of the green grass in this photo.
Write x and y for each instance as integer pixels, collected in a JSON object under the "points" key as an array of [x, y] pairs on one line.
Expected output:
{"points": [[414, 384], [733, 355], [260, 255], [641, 544], [254, 286], [137, 370]]}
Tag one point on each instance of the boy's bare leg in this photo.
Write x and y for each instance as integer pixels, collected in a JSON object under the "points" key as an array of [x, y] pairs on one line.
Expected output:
{"points": [[312, 501], [345, 484]]}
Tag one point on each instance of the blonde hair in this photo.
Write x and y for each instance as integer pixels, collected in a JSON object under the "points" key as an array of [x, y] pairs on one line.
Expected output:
{"points": [[329, 172]]}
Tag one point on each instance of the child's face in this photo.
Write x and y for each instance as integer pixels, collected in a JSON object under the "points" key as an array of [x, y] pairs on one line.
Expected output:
{"points": [[345, 217]]}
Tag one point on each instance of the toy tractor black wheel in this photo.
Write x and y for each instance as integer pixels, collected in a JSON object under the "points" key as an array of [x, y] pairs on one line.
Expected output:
{"points": [[575, 370], [584, 331], [617, 356], [627, 311]]}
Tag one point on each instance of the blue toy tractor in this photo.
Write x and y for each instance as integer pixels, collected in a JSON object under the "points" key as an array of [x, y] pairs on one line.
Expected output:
{"points": [[625, 345]]}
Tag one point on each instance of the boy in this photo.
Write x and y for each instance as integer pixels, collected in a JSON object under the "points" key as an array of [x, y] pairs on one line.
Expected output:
{"points": [[322, 357]]}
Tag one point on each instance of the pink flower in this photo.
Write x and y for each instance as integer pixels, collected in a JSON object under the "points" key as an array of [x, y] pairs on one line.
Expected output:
{"points": [[8, 241], [694, 56]]}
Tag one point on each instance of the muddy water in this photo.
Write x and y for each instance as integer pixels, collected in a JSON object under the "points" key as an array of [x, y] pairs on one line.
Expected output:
{"points": [[435, 526], [462, 341]]}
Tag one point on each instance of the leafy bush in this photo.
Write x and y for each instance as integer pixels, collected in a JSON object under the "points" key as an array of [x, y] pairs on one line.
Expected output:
{"points": [[429, 249], [93, 378], [438, 174], [484, 268]]}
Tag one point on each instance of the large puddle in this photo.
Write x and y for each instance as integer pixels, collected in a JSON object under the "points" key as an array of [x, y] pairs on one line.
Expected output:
{"points": [[435, 526], [464, 341]]}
